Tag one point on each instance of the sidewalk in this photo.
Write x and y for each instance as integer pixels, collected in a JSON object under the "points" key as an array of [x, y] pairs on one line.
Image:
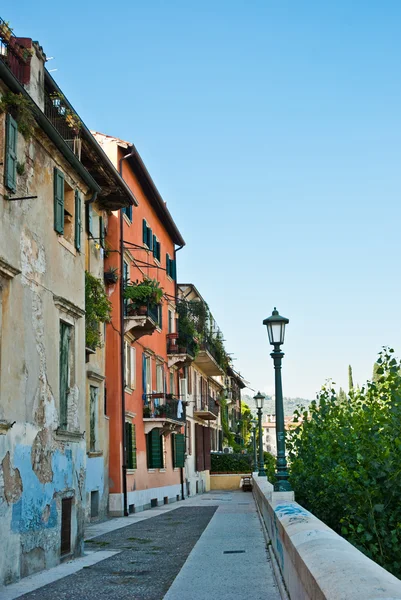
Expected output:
{"points": [[209, 546]]}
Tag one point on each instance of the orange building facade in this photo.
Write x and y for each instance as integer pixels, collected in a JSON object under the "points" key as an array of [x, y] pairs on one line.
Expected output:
{"points": [[146, 414]]}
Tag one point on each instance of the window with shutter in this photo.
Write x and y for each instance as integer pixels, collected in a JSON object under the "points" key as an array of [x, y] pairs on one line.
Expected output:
{"points": [[128, 444], [179, 450], [206, 447], [127, 211], [168, 264], [154, 246], [10, 171], [78, 208], [58, 201], [64, 372], [155, 449], [150, 239], [144, 232], [200, 463], [158, 251], [89, 219], [133, 446], [101, 232], [189, 437]]}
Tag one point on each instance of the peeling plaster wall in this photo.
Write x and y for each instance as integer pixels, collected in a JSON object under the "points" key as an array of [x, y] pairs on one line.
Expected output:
{"points": [[38, 467]]}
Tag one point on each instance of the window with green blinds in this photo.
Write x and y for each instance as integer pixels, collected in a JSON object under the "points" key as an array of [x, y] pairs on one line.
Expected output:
{"points": [[58, 201], [78, 220], [10, 171], [155, 449], [178, 447], [130, 441]]}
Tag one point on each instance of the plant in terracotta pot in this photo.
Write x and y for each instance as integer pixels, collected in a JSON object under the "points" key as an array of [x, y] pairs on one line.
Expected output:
{"points": [[143, 294]]}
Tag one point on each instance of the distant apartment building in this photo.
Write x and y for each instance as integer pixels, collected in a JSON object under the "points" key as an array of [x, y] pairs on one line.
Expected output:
{"points": [[53, 174], [269, 432]]}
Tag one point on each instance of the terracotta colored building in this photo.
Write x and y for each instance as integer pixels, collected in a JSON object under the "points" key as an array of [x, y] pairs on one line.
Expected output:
{"points": [[147, 414]]}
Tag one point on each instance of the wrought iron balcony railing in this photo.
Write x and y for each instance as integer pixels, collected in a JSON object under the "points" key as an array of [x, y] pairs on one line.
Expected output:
{"points": [[153, 311], [164, 407]]}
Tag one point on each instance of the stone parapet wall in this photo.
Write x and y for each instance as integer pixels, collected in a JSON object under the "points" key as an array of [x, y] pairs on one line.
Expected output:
{"points": [[315, 562]]}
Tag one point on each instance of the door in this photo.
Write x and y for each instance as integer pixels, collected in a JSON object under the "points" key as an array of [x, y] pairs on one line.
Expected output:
{"points": [[66, 507]]}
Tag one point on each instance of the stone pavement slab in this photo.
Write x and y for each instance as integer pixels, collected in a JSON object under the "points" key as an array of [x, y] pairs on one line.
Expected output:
{"points": [[230, 559]]}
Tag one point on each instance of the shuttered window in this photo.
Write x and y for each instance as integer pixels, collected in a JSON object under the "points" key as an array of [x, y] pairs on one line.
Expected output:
{"points": [[89, 219], [155, 449], [10, 172], [101, 232], [64, 368], [130, 441], [156, 248], [206, 447], [127, 210], [178, 446], [189, 437], [200, 462], [58, 201], [147, 235], [78, 208], [170, 267]]}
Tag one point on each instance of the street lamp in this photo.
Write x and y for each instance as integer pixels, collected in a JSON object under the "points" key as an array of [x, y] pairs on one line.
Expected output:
{"points": [[259, 400], [276, 330], [255, 457]]}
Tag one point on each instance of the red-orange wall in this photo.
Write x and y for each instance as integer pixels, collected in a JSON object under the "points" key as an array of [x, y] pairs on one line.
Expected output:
{"points": [[141, 479]]}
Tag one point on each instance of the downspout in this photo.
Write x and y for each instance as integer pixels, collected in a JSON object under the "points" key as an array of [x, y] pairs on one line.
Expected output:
{"points": [[176, 296], [122, 352]]}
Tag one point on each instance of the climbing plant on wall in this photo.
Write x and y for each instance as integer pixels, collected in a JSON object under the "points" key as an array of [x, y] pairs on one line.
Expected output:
{"points": [[97, 310]]}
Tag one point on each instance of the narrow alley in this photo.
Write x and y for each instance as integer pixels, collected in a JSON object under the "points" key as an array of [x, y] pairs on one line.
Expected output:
{"points": [[206, 547]]}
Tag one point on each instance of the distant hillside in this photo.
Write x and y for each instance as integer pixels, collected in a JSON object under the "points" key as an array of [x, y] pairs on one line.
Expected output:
{"points": [[290, 404]]}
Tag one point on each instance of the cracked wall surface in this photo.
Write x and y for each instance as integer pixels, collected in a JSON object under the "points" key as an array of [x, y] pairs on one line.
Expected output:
{"points": [[38, 467]]}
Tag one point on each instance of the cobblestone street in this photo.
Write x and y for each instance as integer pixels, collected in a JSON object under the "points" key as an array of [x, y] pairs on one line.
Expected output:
{"points": [[210, 546]]}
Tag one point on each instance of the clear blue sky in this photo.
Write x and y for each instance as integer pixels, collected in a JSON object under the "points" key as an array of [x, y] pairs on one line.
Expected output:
{"points": [[273, 131]]}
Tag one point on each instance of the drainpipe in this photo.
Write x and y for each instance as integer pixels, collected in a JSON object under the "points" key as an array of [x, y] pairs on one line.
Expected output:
{"points": [[122, 353], [176, 295]]}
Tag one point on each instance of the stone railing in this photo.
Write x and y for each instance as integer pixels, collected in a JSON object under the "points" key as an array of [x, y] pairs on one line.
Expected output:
{"points": [[315, 562]]}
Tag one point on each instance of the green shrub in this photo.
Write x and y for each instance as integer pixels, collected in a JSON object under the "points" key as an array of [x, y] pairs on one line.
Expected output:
{"points": [[345, 461], [270, 466], [97, 310], [231, 463]]}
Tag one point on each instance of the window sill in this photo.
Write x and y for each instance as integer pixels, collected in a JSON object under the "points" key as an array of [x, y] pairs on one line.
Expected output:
{"points": [[67, 245], [128, 390], [151, 470], [72, 436], [162, 470], [94, 453], [131, 471]]}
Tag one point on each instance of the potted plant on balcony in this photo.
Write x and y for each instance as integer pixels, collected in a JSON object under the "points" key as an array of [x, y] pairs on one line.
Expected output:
{"points": [[146, 412], [5, 31], [143, 294], [111, 275]]}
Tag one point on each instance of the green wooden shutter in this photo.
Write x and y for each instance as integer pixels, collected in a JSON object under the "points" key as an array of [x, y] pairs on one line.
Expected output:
{"points": [[58, 201], [179, 450], [155, 444], [101, 232], [78, 208], [160, 315], [167, 264], [154, 246], [89, 219], [150, 239], [128, 445], [173, 270], [10, 172], [133, 446], [65, 331], [158, 253], [144, 232]]}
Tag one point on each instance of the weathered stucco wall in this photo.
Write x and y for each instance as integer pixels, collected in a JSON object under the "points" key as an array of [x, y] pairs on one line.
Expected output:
{"points": [[41, 283]]}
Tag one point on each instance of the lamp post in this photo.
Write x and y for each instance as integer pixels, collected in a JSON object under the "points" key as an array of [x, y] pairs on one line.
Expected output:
{"points": [[255, 456], [259, 399], [276, 330]]}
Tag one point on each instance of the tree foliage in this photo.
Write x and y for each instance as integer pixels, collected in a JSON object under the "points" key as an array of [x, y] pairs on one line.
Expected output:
{"points": [[346, 463]]}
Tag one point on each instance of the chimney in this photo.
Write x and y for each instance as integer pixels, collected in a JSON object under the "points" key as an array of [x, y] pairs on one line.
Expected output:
{"points": [[34, 75]]}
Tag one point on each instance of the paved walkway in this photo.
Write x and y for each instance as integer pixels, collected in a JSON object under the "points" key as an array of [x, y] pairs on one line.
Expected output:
{"points": [[207, 547]]}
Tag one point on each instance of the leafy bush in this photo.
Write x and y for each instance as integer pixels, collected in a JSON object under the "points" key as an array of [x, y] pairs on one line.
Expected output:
{"points": [[97, 309], [231, 463], [346, 463], [270, 466], [21, 109]]}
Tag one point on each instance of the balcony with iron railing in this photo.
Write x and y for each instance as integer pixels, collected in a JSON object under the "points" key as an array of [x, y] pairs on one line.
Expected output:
{"points": [[14, 54], [181, 350], [63, 118], [142, 320], [163, 411], [206, 407]]}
